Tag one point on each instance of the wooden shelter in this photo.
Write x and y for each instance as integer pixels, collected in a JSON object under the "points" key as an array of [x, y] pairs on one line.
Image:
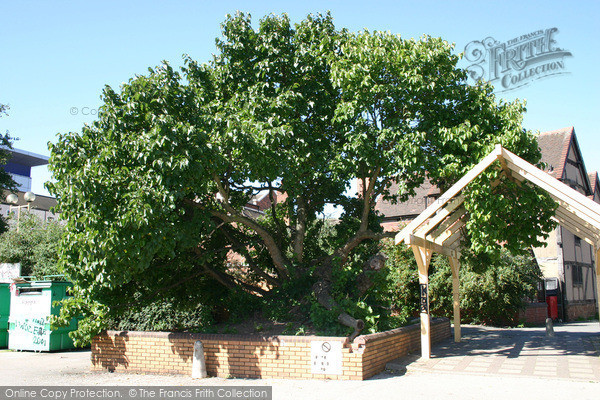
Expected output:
{"points": [[439, 228]]}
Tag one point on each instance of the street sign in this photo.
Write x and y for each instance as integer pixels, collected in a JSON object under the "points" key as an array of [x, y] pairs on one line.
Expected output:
{"points": [[424, 300]]}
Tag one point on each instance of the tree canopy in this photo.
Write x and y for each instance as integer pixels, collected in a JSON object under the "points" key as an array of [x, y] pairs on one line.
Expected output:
{"points": [[154, 192]]}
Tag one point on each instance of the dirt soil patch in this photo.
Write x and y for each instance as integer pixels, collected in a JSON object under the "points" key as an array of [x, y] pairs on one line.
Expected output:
{"points": [[257, 324]]}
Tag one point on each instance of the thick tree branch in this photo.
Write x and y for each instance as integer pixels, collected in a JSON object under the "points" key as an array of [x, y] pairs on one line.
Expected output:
{"points": [[300, 233], [259, 188], [280, 225], [368, 200], [243, 249], [279, 260], [233, 216], [227, 280], [322, 291], [232, 283], [360, 237]]}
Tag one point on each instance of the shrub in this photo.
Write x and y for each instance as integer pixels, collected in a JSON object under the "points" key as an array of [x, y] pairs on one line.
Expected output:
{"points": [[492, 297], [165, 315], [33, 243]]}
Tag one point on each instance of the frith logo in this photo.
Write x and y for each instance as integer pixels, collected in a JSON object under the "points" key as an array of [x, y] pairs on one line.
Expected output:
{"points": [[516, 62]]}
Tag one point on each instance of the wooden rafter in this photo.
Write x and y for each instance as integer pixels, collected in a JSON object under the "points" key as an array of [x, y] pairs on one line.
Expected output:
{"points": [[458, 214], [448, 209], [576, 212], [449, 194]]}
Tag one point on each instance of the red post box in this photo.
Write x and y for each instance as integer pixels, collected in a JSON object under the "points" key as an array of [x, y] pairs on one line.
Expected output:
{"points": [[552, 302]]}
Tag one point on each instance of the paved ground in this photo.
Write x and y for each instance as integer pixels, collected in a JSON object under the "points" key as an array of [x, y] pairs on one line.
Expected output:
{"points": [[420, 382], [574, 353]]}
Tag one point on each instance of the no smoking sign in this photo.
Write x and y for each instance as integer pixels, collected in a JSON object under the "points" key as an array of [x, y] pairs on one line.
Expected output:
{"points": [[326, 357]]}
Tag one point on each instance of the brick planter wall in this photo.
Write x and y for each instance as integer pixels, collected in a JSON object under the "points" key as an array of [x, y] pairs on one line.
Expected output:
{"points": [[245, 356]]}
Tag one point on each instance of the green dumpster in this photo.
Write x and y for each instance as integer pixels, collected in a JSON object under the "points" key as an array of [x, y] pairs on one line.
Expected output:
{"points": [[31, 306], [4, 312]]}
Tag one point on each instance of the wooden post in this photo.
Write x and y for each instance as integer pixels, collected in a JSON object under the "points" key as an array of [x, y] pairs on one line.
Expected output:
{"points": [[455, 266], [423, 256], [597, 261]]}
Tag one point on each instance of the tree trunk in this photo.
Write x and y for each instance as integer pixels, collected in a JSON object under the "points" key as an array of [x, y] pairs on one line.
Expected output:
{"points": [[322, 290], [375, 263]]}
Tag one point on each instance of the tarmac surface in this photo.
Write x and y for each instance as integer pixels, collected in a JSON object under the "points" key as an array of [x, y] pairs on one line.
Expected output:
{"points": [[489, 363]]}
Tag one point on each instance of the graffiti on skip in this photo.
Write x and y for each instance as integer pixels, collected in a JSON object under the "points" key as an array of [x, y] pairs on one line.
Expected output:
{"points": [[36, 327]]}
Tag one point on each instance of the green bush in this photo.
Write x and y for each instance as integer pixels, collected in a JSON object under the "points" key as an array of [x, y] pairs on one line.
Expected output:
{"points": [[492, 297], [403, 280], [169, 315], [32, 242]]}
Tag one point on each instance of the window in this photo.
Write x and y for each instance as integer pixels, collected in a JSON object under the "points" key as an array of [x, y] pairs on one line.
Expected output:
{"points": [[577, 274], [577, 241]]}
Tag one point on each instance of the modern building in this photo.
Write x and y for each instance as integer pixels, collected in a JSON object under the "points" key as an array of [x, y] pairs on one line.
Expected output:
{"points": [[567, 262], [19, 167]]}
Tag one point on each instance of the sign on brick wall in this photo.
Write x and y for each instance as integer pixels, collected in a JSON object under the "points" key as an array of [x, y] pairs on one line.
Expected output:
{"points": [[326, 357]]}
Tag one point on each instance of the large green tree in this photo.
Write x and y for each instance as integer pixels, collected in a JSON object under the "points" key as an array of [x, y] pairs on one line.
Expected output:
{"points": [[153, 192]]}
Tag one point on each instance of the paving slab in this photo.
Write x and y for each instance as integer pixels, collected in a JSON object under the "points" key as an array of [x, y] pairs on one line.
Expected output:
{"points": [[73, 369], [522, 370], [572, 354]]}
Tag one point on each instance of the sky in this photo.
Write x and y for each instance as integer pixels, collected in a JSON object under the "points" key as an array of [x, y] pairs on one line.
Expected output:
{"points": [[56, 57]]}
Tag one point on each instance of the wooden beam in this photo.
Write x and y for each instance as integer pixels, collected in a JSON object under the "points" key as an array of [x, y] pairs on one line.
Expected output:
{"points": [[566, 202], [570, 210], [573, 230], [455, 266], [569, 213], [450, 232], [578, 204], [455, 246], [448, 222], [456, 235], [448, 209], [597, 261], [422, 242], [550, 180], [576, 228], [449, 194], [565, 213]]}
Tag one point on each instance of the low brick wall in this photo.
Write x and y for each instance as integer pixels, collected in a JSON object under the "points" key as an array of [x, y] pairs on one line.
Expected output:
{"points": [[580, 309], [242, 356], [535, 314]]}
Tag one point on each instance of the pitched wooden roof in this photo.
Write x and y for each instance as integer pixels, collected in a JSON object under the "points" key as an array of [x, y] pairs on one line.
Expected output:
{"points": [[554, 146], [438, 228]]}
